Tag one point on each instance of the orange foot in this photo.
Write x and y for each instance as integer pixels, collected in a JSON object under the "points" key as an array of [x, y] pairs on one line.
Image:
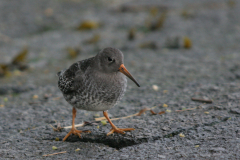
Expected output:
{"points": [[76, 132], [119, 130]]}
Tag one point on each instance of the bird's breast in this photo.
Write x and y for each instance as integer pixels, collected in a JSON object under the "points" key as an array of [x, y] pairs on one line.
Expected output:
{"points": [[99, 92]]}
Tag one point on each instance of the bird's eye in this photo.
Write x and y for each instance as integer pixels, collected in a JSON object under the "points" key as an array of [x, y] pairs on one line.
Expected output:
{"points": [[110, 59]]}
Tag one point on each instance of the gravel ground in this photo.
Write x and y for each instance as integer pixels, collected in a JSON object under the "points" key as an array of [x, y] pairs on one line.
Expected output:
{"points": [[30, 101]]}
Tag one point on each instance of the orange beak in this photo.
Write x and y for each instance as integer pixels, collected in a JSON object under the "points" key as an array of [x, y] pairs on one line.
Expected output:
{"points": [[124, 70]]}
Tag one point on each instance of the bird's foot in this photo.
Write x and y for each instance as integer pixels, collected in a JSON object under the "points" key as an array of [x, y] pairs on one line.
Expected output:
{"points": [[75, 132], [119, 130]]}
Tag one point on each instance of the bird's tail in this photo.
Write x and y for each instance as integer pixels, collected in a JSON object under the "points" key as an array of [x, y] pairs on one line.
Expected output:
{"points": [[60, 73]]}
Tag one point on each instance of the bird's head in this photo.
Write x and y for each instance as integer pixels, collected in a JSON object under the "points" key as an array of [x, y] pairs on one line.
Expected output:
{"points": [[111, 60]]}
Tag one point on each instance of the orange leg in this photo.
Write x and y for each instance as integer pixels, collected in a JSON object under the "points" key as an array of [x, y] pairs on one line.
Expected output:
{"points": [[114, 128], [73, 130]]}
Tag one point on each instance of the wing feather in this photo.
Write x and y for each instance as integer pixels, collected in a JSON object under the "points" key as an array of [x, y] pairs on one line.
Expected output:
{"points": [[72, 78]]}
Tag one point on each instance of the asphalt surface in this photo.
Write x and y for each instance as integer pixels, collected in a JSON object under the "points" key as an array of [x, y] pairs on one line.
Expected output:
{"points": [[30, 101]]}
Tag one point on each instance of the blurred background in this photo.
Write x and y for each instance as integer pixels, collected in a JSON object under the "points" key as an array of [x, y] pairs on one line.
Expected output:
{"points": [[40, 37]]}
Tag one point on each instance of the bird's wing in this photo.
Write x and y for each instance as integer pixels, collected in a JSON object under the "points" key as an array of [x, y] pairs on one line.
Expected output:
{"points": [[73, 77]]}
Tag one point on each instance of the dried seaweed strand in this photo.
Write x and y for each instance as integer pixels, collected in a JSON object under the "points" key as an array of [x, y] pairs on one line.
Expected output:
{"points": [[46, 155], [186, 109], [103, 118], [78, 125], [136, 114], [56, 98], [162, 112], [58, 129], [202, 100], [154, 113]]}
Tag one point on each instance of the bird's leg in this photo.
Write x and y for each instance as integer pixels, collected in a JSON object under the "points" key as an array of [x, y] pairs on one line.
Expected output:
{"points": [[74, 130], [114, 128]]}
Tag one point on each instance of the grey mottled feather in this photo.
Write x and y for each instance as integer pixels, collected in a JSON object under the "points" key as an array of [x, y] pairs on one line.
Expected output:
{"points": [[85, 88], [72, 74]]}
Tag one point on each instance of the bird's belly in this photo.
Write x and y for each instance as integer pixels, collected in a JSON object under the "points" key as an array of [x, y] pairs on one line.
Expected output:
{"points": [[91, 102], [95, 107]]}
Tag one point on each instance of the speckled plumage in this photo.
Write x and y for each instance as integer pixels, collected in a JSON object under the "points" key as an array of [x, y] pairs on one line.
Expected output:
{"points": [[88, 85], [95, 84]]}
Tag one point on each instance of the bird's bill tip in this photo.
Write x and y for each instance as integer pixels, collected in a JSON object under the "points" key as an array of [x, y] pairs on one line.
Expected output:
{"points": [[124, 70]]}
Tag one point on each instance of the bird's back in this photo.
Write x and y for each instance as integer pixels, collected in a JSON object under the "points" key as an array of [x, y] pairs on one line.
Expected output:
{"points": [[67, 77]]}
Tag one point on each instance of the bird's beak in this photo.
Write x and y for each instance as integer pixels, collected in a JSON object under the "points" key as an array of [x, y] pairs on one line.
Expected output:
{"points": [[124, 70]]}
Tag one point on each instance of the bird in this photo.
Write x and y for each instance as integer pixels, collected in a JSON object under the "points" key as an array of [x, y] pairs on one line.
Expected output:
{"points": [[95, 84]]}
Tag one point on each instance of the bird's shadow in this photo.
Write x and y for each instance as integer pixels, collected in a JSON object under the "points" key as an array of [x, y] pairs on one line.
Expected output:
{"points": [[115, 140]]}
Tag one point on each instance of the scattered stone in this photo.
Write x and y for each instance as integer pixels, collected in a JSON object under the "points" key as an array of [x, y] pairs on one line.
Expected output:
{"points": [[157, 24], [165, 91], [149, 44], [88, 25], [96, 115], [161, 156], [165, 105], [155, 87], [104, 122], [54, 147], [35, 96], [181, 135], [5, 99], [187, 43], [48, 12], [73, 52], [173, 42], [235, 111], [165, 128], [131, 34], [93, 40], [168, 110]]}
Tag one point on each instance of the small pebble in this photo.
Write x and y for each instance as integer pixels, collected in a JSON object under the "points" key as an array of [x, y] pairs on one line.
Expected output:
{"points": [[206, 112], [132, 34], [187, 42], [181, 135], [35, 96], [17, 72], [196, 146], [97, 115], [57, 139], [165, 105], [1, 105], [165, 91], [54, 147], [161, 156], [168, 110], [48, 12], [77, 149], [155, 87], [104, 122], [88, 25], [5, 99]]}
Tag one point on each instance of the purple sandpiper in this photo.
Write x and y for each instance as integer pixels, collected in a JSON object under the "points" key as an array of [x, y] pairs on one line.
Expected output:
{"points": [[95, 84]]}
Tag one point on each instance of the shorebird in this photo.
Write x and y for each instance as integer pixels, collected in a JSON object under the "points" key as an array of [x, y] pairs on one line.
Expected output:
{"points": [[95, 84]]}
